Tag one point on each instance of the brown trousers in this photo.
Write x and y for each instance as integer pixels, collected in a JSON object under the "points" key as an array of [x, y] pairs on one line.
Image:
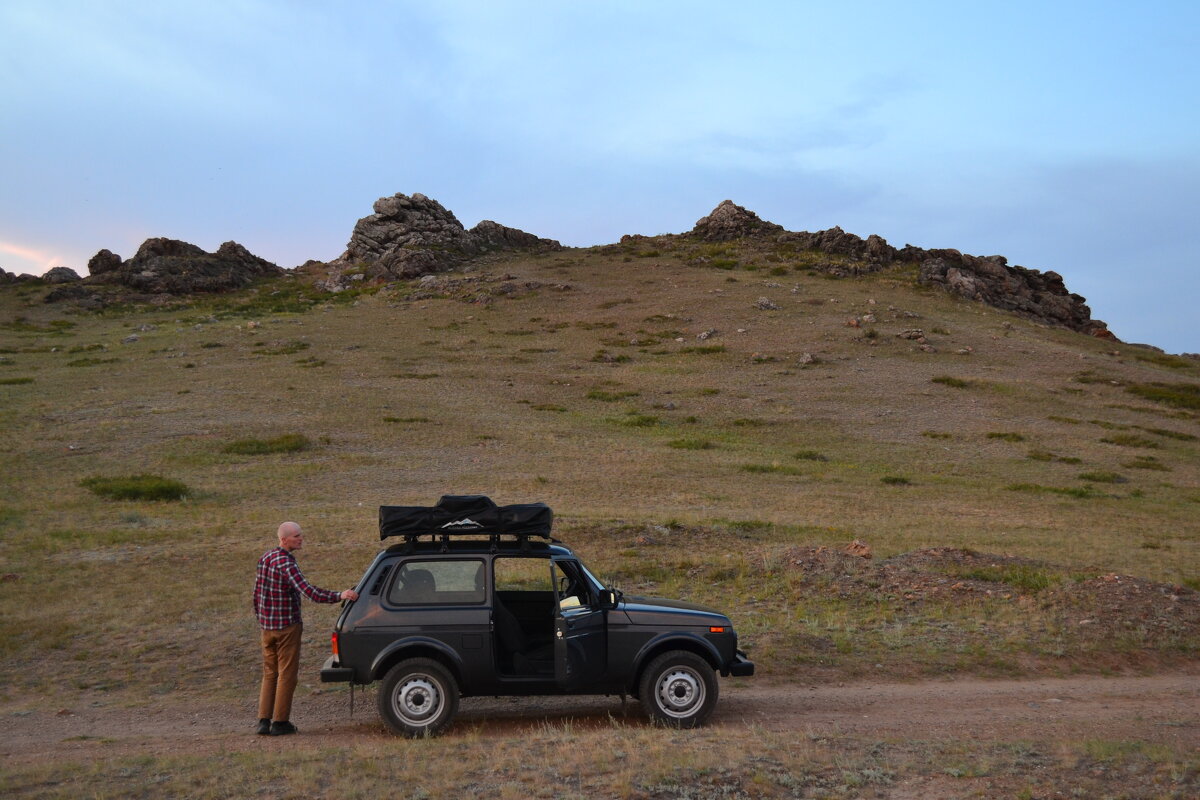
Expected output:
{"points": [[281, 665]]}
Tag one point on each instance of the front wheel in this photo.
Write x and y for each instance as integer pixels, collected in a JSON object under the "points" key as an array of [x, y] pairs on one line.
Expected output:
{"points": [[419, 697], [679, 689]]}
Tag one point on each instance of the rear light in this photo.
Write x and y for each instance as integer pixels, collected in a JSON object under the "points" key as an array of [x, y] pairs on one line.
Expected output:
{"points": [[717, 629], [333, 641]]}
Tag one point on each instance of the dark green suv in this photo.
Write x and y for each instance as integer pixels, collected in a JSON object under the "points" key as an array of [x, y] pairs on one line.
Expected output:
{"points": [[479, 599]]}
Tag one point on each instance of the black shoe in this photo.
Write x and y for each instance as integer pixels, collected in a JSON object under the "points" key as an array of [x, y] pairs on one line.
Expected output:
{"points": [[264, 727], [282, 728]]}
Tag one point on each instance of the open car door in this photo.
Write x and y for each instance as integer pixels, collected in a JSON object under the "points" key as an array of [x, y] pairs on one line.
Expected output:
{"points": [[580, 628]]}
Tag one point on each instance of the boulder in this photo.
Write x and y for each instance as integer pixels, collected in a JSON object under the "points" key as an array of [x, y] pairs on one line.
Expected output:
{"points": [[169, 266], [103, 262], [60, 275], [408, 237], [730, 221]]}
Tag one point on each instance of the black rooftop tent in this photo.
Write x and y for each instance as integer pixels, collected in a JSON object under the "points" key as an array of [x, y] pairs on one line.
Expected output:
{"points": [[474, 514]]}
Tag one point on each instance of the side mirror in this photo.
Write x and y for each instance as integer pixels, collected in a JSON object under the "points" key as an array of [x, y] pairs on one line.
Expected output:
{"points": [[609, 598]]}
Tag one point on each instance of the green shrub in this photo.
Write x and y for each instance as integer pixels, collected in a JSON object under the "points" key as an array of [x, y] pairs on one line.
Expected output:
{"points": [[1146, 462], [691, 444], [609, 397], [704, 350], [1130, 440], [636, 420], [1102, 476], [287, 443], [1179, 395], [810, 455], [937, 435], [136, 487], [896, 480], [14, 381], [1067, 491], [771, 469], [406, 419], [1166, 360], [91, 362], [1008, 437], [1168, 434], [946, 380], [549, 407]]}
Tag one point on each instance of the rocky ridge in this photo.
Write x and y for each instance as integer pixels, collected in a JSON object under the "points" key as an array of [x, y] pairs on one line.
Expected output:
{"points": [[1041, 296], [412, 236]]}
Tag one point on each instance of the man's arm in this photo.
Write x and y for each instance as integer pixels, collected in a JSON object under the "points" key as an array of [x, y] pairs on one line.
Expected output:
{"points": [[292, 571]]}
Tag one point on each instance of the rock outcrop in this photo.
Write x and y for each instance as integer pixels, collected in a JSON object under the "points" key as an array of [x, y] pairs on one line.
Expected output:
{"points": [[408, 237], [169, 266], [730, 221], [1041, 296]]}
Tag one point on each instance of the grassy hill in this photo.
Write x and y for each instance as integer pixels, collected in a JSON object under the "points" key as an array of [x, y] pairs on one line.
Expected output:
{"points": [[730, 469]]}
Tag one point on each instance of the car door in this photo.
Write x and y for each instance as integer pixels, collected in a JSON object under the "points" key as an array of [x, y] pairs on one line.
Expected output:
{"points": [[580, 628]]}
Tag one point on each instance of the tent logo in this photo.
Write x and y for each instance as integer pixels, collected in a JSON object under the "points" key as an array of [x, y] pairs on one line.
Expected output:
{"points": [[465, 522]]}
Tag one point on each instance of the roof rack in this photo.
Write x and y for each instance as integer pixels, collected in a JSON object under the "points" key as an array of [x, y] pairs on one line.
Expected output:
{"points": [[466, 515]]}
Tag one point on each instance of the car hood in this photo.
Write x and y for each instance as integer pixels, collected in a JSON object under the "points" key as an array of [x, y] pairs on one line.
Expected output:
{"points": [[657, 611]]}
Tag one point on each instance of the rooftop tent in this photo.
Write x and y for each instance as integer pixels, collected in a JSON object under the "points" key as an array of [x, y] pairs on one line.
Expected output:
{"points": [[466, 514]]}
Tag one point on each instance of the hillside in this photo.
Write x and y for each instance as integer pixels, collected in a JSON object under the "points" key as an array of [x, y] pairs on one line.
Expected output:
{"points": [[714, 421]]}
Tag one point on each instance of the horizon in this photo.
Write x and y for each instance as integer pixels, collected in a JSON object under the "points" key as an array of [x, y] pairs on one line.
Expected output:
{"points": [[1058, 137]]}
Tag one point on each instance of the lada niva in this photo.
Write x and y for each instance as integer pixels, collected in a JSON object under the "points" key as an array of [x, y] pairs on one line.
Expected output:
{"points": [[479, 599]]}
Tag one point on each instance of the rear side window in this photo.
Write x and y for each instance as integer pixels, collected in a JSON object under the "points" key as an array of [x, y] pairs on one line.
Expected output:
{"points": [[420, 583]]}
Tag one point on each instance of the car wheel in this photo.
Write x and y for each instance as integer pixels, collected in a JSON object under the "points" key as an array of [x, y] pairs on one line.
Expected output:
{"points": [[419, 697], [679, 689]]}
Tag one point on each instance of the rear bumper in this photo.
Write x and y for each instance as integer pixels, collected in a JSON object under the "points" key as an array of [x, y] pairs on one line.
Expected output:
{"points": [[741, 667], [331, 672]]}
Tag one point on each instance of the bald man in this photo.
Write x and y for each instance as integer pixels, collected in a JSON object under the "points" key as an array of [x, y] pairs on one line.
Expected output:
{"points": [[277, 589]]}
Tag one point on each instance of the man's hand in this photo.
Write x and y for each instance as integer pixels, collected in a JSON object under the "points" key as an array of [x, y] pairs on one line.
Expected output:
{"points": [[349, 594]]}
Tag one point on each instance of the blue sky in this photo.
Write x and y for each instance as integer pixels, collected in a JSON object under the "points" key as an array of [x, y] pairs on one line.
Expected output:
{"points": [[1061, 135]]}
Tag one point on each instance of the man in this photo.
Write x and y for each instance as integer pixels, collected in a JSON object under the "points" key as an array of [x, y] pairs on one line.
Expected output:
{"points": [[278, 585]]}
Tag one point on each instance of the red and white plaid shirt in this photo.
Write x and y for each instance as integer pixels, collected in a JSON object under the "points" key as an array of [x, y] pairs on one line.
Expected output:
{"points": [[277, 588]]}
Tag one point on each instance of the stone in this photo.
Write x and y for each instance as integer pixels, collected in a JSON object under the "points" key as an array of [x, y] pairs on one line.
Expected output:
{"points": [[765, 304], [103, 262], [806, 358], [730, 221], [61, 275]]}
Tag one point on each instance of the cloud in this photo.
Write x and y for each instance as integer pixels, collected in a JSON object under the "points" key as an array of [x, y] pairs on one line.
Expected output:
{"points": [[34, 261]]}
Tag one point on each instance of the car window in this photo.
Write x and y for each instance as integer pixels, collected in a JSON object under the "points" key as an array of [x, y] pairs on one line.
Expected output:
{"points": [[522, 575], [571, 588], [456, 582]]}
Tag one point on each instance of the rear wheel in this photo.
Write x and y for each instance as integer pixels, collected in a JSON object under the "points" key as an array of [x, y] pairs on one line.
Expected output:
{"points": [[679, 689], [419, 697]]}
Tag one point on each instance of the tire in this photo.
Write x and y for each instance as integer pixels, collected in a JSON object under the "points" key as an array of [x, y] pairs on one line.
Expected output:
{"points": [[419, 697], [679, 689]]}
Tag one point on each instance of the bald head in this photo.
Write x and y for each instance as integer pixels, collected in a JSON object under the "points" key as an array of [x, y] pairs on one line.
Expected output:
{"points": [[290, 537]]}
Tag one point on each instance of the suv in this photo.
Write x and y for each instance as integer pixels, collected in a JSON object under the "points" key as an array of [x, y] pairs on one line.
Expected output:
{"points": [[479, 599]]}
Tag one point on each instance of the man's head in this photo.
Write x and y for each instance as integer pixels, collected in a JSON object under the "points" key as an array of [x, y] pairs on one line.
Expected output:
{"points": [[290, 537]]}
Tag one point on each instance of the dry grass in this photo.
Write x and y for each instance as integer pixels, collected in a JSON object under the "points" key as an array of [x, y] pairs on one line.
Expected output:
{"points": [[597, 409]]}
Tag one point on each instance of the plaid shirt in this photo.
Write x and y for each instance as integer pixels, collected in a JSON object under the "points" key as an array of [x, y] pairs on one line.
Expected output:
{"points": [[277, 588]]}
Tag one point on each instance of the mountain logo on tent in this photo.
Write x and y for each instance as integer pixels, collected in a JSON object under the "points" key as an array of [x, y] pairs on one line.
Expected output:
{"points": [[465, 522]]}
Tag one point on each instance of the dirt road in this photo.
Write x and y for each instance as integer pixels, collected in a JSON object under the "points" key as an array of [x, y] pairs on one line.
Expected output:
{"points": [[1160, 709]]}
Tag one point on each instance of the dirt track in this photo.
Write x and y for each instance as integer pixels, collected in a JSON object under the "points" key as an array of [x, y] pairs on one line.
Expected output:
{"points": [[1163, 708]]}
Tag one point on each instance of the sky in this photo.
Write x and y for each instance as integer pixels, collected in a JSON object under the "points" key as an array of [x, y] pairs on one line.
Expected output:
{"points": [[1062, 135]]}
